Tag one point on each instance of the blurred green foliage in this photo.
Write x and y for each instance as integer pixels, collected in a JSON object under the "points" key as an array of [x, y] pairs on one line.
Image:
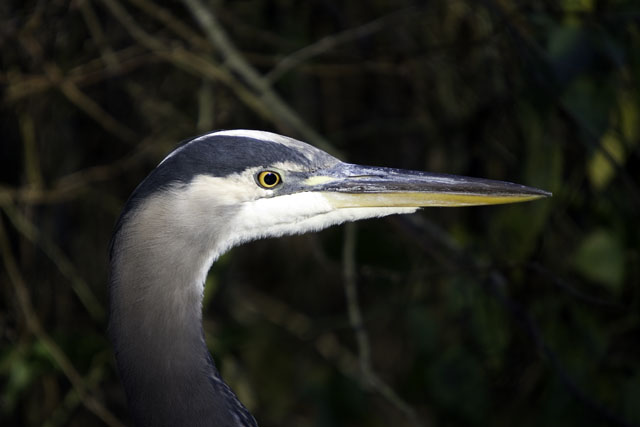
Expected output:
{"points": [[511, 315]]}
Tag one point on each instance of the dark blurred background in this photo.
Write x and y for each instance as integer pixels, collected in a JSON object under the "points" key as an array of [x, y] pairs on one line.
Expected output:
{"points": [[508, 315]]}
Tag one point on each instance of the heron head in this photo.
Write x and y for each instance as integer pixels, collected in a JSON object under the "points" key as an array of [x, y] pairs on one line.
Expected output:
{"points": [[234, 186]]}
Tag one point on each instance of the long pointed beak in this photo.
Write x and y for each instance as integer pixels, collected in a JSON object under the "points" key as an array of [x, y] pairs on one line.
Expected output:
{"points": [[350, 186]]}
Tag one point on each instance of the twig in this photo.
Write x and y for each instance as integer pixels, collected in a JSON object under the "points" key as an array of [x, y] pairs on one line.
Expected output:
{"points": [[70, 186], [64, 265], [206, 107], [60, 416], [20, 86], [89, 106], [567, 287], [238, 64], [368, 375], [190, 62], [494, 284], [300, 326], [258, 95], [595, 142], [171, 22], [34, 325], [95, 29], [351, 293], [327, 344], [31, 158], [330, 42]]}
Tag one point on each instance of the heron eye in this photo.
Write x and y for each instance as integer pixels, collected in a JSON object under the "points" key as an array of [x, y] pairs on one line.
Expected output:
{"points": [[268, 179]]}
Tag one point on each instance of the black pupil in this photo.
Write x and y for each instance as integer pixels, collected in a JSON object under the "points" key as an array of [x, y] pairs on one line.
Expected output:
{"points": [[270, 178]]}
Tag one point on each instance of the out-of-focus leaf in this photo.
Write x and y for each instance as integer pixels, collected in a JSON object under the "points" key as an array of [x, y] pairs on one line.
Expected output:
{"points": [[577, 5], [629, 117], [571, 52], [589, 102], [601, 168], [624, 132], [20, 370], [600, 258], [562, 40], [19, 378]]}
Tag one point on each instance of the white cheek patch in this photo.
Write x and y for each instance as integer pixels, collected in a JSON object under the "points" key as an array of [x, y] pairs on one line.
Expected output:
{"points": [[296, 214], [262, 216]]}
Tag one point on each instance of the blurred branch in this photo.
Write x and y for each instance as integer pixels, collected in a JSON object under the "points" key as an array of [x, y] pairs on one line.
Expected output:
{"points": [[331, 42], [369, 377], [300, 326], [246, 29], [21, 86], [64, 265], [351, 293], [62, 414], [72, 185], [190, 62], [31, 158], [238, 64], [206, 107], [35, 327], [89, 106], [71, 90], [256, 94], [594, 142], [172, 23], [568, 288], [95, 29], [495, 283], [326, 343]]}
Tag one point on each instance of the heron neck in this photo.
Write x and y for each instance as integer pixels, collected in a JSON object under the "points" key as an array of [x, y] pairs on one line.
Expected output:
{"points": [[155, 324]]}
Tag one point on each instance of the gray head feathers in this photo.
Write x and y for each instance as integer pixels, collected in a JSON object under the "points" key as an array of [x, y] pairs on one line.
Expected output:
{"points": [[224, 153]]}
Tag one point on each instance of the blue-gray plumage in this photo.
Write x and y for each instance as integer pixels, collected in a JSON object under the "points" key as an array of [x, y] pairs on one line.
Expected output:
{"points": [[210, 194]]}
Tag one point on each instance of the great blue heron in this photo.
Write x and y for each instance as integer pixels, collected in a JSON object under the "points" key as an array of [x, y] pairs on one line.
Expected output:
{"points": [[215, 192]]}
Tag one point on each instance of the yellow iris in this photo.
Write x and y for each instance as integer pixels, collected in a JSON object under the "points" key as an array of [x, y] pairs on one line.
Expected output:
{"points": [[268, 179]]}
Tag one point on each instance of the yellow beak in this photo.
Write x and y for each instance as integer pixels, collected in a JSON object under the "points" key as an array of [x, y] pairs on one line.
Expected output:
{"points": [[350, 186]]}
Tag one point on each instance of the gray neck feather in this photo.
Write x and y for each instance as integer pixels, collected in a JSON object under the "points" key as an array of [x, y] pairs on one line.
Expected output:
{"points": [[158, 267]]}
